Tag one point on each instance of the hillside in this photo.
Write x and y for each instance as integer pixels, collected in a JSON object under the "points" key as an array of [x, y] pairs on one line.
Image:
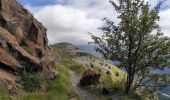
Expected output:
{"points": [[78, 61], [30, 69]]}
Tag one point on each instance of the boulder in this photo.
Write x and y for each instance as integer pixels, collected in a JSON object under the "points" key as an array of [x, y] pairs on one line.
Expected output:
{"points": [[89, 77]]}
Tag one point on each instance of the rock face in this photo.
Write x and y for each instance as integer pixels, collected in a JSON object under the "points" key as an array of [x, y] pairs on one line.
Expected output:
{"points": [[21, 23], [89, 77], [23, 41]]}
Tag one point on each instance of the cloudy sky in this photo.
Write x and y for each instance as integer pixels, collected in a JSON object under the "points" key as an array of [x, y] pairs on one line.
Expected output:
{"points": [[72, 20]]}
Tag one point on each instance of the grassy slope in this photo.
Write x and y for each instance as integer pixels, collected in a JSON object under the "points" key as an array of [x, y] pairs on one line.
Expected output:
{"points": [[73, 58], [60, 88], [68, 55], [65, 57]]}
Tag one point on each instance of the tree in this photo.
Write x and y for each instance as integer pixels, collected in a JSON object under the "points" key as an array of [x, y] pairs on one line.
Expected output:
{"points": [[136, 42]]}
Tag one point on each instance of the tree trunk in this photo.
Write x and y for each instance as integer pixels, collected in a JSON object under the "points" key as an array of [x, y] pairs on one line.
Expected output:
{"points": [[128, 84]]}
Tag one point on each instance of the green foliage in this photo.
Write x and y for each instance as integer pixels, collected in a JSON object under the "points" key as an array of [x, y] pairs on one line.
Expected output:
{"points": [[78, 69], [4, 95], [131, 43], [31, 81]]}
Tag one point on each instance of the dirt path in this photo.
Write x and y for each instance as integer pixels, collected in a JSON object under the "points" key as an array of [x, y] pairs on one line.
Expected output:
{"points": [[83, 94]]}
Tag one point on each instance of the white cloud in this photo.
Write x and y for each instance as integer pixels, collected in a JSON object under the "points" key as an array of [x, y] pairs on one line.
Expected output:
{"points": [[67, 24], [71, 20], [164, 21]]}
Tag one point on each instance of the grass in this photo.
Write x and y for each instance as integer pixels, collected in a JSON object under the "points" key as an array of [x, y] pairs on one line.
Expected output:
{"points": [[4, 95], [78, 69], [32, 96], [60, 89], [31, 81], [57, 89], [66, 58], [72, 65]]}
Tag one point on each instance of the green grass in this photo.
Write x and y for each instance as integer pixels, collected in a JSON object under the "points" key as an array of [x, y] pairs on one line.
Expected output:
{"points": [[72, 65], [78, 69], [60, 88], [57, 89], [32, 96], [32, 81], [61, 85], [4, 95]]}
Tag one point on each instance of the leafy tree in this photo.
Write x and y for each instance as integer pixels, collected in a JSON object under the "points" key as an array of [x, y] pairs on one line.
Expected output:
{"points": [[136, 42]]}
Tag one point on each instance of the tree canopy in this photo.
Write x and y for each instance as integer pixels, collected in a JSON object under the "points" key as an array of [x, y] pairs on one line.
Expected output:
{"points": [[136, 42]]}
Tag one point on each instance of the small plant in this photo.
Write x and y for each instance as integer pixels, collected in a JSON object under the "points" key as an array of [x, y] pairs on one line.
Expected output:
{"points": [[31, 81], [108, 72]]}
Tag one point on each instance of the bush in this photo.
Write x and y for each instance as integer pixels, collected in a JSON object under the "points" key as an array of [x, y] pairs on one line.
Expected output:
{"points": [[31, 81]]}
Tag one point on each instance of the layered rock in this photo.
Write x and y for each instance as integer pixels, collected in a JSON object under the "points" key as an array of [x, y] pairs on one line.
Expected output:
{"points": [[21, 23], [23, 41]]}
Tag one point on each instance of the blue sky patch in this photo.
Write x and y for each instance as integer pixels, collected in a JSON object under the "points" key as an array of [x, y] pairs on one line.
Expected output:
{"points": [[37, 2]]}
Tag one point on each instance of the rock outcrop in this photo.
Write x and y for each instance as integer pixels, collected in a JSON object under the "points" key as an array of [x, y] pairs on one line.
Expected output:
{"points": [[21, 23], [89, 77], [23, 41]]}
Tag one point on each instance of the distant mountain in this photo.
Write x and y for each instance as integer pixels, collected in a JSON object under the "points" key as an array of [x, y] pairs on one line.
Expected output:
{"points": [[90, 49]]}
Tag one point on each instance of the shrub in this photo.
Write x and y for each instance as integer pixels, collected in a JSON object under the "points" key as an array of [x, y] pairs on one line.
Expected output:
{"points": [[31, 81], [108, 72]]}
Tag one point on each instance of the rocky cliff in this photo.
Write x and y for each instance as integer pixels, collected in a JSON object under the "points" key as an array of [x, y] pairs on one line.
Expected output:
{"points": [[23, 42]]}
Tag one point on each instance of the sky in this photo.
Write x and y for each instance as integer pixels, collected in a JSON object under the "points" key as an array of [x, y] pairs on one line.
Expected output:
{"points": [[72, 20]]}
